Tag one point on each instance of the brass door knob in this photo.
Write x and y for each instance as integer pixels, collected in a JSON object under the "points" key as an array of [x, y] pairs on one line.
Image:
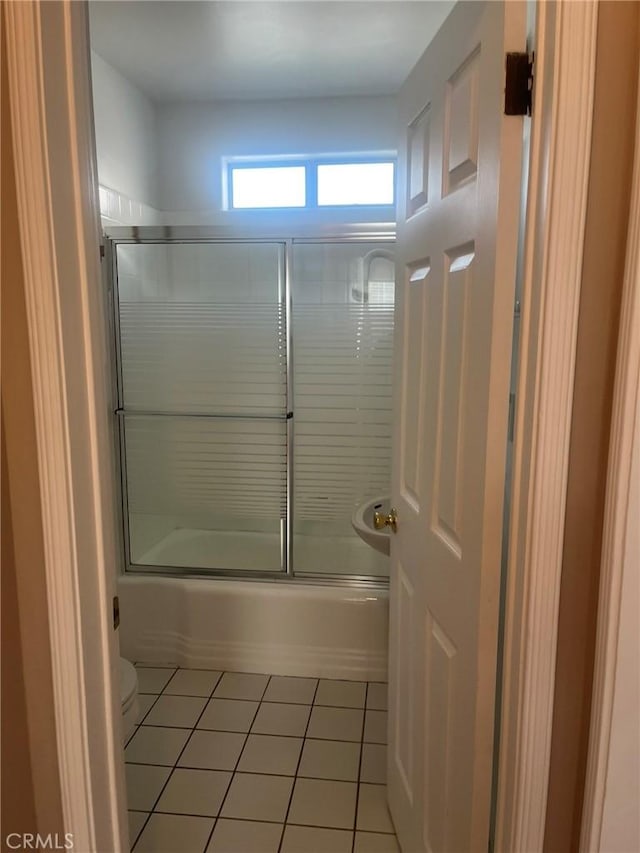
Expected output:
{"points": [[380, 520]]}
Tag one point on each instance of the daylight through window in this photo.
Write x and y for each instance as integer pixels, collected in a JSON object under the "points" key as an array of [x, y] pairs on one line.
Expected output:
{"points": [[311, 183]]}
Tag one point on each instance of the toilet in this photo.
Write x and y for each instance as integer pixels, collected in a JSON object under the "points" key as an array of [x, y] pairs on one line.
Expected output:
{"points": [[129, 697]]}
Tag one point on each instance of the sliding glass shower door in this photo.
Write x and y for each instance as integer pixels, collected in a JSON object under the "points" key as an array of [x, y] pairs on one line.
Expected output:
{"points": [[203, 404], [254, 402], [342, 320]]}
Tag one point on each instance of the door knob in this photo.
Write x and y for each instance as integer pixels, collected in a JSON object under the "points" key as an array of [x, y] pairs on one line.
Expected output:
{"points": [[381, 520]]}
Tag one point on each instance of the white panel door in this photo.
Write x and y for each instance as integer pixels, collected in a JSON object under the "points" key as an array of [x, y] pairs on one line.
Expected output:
{"points": [[459, 189]]}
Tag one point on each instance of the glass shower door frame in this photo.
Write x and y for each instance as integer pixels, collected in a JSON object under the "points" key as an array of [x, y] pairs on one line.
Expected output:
{"points": [[121, 413], [115, 236]]}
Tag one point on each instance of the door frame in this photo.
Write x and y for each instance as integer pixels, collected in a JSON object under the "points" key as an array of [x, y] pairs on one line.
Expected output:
{"points": [[57, 193], [565, 51], [617, 559]]}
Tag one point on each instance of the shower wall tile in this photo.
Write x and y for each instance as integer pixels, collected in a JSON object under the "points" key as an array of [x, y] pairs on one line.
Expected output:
{"points": [[119, 209]]}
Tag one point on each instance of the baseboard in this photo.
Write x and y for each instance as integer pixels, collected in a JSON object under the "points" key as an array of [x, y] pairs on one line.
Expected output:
{"points": [[274, 659]]}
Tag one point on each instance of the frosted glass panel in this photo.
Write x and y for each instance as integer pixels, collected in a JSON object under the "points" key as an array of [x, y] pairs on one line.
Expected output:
{"points": [[205, 492], [202, 328], [208, 426], [203, 394], [343, 342]]}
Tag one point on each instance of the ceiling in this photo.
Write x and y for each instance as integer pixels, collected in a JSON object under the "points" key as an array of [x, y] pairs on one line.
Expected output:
{"points": [[240, 49]]}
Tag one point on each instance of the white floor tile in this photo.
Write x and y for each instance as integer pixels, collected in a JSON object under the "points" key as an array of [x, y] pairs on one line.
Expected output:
{"points": [[212, 750], [136, 822], [317, 802], [194, 792], [153, 679], [271, 754], [256, 797], [228, 715], [373, 814], [274, 718], [335, 723], [341, 694], [377, 696], [330, 759], [251, 804], [241, 685], [308, 839], [375, 727], [374, 763], [168, 833], [182, 711], [144, 783], [156, 745], [144, 703], [375, 842], [245, 836], [296, 691], [193, 682]]}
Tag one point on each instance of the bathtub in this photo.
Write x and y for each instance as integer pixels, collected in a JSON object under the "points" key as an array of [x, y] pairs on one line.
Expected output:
{"points": [[278, 628]]}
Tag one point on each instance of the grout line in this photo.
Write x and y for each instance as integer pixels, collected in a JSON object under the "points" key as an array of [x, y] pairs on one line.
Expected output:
{"points": [[142, 828], [237, 772], [171, 771], [355, 815], [148, 711], [215, 819], [234, 771], [237, 732], [142, 719], [295, 778], [246, 735], [248, 732], [173, 675], [131, 737], [313, 702], [262, 701], [134, 841], [274, 822]]}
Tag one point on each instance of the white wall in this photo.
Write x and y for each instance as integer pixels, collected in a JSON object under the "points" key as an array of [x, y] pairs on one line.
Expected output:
{"points": [[163, 163], [194, 137], [126, 135]]}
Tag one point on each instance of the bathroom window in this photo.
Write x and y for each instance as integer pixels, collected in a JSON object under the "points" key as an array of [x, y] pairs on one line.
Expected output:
{"points": [[311, 183], [271, 186], [355, 183]]}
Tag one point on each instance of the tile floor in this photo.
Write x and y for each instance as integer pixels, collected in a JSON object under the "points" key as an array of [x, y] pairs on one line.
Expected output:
{"points": [[237, 763]]}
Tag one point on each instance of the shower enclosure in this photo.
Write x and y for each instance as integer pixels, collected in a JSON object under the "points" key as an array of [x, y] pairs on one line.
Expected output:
{"points": [[253, 384]]}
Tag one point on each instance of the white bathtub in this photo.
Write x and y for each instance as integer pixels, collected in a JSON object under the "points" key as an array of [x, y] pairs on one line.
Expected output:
{"points": [[278, 628]]}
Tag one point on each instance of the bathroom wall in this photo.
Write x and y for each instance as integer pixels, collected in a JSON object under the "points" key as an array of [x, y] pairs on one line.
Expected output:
{"points": [[180, 149], [193, 139], [126, 145], [162, 163]]}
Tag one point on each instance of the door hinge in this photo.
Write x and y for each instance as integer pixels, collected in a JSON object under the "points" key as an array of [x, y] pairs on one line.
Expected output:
{"points": [[101, 251], [518, 84], [116, 612]]}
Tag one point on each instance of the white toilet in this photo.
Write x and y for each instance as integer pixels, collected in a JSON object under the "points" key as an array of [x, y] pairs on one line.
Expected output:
{"points": [[129, 697]]}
